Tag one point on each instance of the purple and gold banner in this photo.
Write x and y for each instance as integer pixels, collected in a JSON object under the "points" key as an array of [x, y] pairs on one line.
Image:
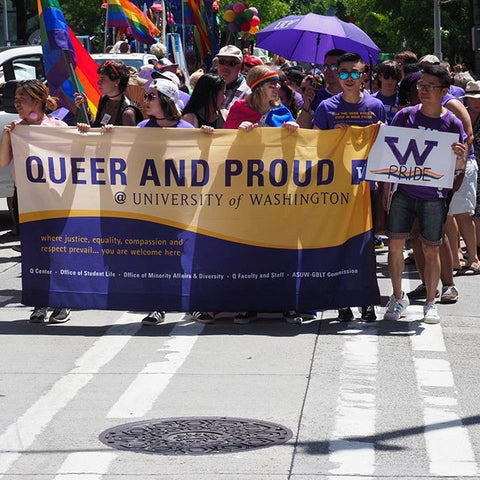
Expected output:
{"points": [[172, 219]]}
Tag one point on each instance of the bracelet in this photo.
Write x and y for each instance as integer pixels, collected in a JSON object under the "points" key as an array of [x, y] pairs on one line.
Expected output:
{"points": [[459, 171]]}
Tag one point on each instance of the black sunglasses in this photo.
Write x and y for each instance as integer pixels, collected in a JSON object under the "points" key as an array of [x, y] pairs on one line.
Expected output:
{"points": [[149, 96], [230, 63]]}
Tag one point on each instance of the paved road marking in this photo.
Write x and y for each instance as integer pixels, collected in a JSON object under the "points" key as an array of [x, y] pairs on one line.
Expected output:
{"points": [[355, 414], [447, 440], [85, 466], [20, 435], [149, 384]]}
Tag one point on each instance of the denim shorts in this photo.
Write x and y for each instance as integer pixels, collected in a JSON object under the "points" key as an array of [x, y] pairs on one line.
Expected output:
{"points": [[431, 216]]}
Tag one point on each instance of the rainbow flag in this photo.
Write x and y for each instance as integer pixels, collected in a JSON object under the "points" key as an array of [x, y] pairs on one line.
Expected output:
{"points": [[202, 38], [58, 40], [123, 13]]}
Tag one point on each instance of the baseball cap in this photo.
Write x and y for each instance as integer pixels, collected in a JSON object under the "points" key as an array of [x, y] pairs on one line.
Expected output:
{"points": [[168, 76], [165, 87], [164, 64], [230, 51], [252, 61], [472, 90]]}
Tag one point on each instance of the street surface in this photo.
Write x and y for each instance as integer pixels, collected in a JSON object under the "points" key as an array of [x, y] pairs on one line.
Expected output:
{"points": [[388, 400]]}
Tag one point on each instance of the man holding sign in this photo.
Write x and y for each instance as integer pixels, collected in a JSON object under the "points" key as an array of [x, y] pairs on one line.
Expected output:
{"points": [[412, 200]]}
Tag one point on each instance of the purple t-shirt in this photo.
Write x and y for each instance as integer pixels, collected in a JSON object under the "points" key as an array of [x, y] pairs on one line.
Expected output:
{"points": [[151, 122], [414, 118], [320, 96], [336, 110], [390, 104]]}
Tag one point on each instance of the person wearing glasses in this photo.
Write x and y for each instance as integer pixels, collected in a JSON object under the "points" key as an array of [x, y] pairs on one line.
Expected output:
{"points": [[388, 75], [161, 107], [429, 205], [313, 95], [350, 107], [229, 66], [114, 107]]}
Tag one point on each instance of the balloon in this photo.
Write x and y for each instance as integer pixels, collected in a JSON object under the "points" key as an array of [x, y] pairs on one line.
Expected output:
{"points": [[254, 10], [245, 27], [248, 14], [238, 7], [215, 6], [229, 15], [240, 18], [229, 6], [233, 27], [156, 7], [255, 21], [254, 30]]}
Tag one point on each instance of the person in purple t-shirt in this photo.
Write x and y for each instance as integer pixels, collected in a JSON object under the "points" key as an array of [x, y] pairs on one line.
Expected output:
{"points": [[350, 107], [312, 96], [388, 76], [427, 204]]}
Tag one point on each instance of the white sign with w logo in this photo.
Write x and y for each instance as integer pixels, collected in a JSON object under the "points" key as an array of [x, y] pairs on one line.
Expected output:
{"points": [[413, 157]]}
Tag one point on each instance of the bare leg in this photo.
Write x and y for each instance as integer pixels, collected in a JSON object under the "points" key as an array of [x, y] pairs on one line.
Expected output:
{"points": [[396, 265], [451, 229], [446, 262], [432, 270], [467, 229]]}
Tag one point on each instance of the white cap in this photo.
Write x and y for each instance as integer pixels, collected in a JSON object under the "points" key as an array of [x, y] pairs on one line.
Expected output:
{"points": [[165, 87], [230, 51], [168, 76]]}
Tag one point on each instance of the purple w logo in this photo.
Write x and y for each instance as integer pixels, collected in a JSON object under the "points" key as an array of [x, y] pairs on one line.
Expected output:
{"points": [[412, 149]]}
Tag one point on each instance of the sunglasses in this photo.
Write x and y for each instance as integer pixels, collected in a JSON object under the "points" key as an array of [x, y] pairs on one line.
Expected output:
{"points": [[332, 68], [230, 63], [427, 88], [149, 96], [353, 75]]}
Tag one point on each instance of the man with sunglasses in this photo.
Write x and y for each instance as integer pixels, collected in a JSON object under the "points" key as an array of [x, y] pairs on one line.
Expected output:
{"points": [[312, 96], [229, 66], [428, 204], [350, 107]]}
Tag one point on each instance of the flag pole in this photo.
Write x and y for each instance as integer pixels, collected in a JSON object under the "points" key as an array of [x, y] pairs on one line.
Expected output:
{"points": [[106, 30], [73, 77], [164, 22]]}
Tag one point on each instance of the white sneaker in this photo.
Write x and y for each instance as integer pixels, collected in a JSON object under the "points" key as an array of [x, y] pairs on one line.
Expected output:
{"points": [[396, 307], [449, 294], [430, 313]]}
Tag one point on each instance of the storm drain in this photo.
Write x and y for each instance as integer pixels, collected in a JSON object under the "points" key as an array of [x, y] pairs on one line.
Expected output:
{"points": [[195, 435]]}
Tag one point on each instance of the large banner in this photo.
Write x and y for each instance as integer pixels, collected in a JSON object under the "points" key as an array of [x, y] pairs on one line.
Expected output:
{"points": [[173, 219], [412, 157]]}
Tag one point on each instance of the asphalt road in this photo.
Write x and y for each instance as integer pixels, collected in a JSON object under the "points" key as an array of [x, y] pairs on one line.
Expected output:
{"points": [[388, 400]]}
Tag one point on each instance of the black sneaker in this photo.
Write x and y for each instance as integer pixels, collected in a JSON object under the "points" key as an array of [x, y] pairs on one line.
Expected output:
{"points": [[368, 314], [293, 317], [60, 315], [345, 314], [154, 318], [243, 318], [201, 317]]}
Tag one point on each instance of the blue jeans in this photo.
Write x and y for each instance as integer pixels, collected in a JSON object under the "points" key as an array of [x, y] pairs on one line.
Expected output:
{"points": [[431, 216]]}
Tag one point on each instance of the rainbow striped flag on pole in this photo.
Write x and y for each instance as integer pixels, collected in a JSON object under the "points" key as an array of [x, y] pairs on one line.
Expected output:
{"points": [[123, 13], [57, 41]]}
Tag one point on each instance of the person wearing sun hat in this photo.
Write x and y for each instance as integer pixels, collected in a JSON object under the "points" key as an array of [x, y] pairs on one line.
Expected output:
{"points": [[162, 109], [229, 62]]}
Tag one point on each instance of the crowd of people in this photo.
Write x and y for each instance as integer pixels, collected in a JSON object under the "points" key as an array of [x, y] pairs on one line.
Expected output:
{"points": [[240, 91]]}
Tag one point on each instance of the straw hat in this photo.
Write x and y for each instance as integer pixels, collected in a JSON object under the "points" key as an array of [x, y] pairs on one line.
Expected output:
{"points": [[472, 90]]}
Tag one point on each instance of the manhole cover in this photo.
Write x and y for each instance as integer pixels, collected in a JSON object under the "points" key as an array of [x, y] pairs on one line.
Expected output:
{"points": [[195, 435]]}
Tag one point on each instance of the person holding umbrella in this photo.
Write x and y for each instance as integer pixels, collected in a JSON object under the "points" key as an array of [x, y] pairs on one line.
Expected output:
{"points": [[350, 107], [312, 96]]}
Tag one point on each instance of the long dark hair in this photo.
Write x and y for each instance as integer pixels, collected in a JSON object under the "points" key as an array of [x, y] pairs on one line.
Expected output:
{"points": [[205, 94]]}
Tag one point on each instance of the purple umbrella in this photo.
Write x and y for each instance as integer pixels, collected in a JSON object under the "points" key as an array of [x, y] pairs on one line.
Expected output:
{"points": [[306, 38]]}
